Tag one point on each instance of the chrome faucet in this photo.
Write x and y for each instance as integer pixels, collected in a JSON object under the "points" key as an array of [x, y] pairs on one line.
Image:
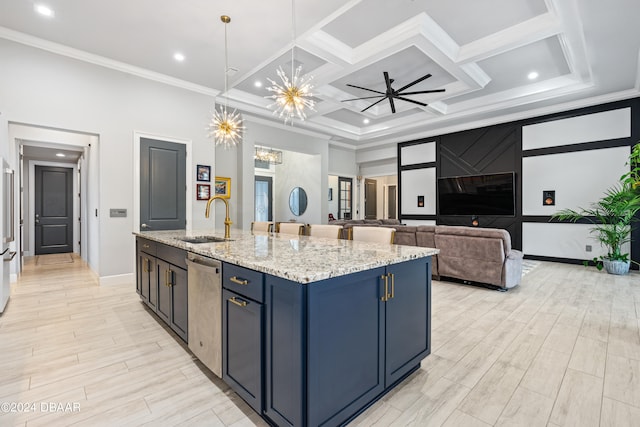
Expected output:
{"points": [[227, 220]]}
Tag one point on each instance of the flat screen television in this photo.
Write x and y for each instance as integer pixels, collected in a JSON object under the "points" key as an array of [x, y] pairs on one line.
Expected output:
{"points": [[491, 194]]}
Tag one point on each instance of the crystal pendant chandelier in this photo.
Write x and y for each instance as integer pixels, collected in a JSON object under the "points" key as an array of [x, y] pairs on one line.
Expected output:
{"points": [[293, 95], [226, 127], [267, 155]]}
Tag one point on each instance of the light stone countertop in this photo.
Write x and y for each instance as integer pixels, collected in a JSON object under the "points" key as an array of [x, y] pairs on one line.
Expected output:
{"points": [[302, 259]]}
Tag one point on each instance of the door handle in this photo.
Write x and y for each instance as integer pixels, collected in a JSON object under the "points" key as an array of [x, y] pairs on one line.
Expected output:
{"points": [[238, 302], [385, 295], [169, 274], [235, 280], [143, 225], [393, 286]]}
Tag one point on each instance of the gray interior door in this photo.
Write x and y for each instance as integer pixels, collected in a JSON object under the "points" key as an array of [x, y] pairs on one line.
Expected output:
{"points": [[370, 199], [53, 210], [162, 185], [391, 202]]}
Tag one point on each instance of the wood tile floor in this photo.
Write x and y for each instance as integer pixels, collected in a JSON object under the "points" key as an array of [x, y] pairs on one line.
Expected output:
{"points": [[561, 349]]}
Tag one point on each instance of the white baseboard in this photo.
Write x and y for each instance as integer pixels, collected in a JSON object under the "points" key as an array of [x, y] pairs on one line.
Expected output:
{"points": [[13, 278], [118, 279]]}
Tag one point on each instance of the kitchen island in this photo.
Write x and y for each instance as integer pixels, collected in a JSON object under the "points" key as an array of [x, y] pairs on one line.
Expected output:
{"points": [[314, 330]]}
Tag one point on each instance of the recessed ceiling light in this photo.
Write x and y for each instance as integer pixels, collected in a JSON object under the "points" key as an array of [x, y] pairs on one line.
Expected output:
{"points": [[257, 83], [178, 57], [532, 75], [44, 10], [60, 155], [365, 121]]}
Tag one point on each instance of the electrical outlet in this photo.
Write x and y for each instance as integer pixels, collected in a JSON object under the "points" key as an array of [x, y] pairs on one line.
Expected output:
{"points": [[588, 248]]}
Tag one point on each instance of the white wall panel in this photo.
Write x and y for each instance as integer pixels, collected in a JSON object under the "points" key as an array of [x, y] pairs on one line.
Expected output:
{"points": [[560, 240], [578, 178], [419, 182], [420, 153], [575, 130], [342, 161]]}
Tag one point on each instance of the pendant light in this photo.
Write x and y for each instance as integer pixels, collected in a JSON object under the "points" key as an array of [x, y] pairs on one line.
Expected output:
{"points": [[226, 127], [293, 95]]}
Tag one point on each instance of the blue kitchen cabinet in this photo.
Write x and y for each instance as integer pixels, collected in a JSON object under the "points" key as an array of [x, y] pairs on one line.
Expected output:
{"points": [[335, 346], [242, 333]]}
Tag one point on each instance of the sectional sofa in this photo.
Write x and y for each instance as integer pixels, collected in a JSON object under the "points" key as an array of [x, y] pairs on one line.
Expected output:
{"points": [[482, 255]]}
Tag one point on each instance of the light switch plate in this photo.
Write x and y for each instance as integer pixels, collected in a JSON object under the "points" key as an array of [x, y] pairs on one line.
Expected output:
{"points": [[118, 213]]}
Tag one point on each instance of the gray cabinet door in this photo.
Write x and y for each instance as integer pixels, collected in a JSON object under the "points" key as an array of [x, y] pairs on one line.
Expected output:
{"points": [[162, 185]]}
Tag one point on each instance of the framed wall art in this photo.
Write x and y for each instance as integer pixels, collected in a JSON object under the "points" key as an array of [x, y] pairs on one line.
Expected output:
{"points": [[203, 191], [203, 173], [222, 187]]}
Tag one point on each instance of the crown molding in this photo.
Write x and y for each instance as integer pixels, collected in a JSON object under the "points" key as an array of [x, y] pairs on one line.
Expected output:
{"points": [[102, 61], [342, 145], [279, 125]]}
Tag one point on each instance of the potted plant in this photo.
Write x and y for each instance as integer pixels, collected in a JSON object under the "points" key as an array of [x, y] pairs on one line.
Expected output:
{"points": [[612, 217], [632, 178]]}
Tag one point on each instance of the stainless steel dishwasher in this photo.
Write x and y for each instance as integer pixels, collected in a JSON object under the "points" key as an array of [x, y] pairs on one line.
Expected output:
{"points": [[205, 311]]}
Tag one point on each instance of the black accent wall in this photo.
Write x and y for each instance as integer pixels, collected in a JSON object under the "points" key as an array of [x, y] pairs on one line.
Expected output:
{"points": [[498, 148]]}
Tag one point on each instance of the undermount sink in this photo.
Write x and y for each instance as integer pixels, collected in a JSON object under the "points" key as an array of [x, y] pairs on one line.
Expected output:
{"points": [[204, 239]]}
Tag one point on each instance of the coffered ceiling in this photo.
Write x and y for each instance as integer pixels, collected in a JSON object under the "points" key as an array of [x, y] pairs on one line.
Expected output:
{"points": [[480, 52]]}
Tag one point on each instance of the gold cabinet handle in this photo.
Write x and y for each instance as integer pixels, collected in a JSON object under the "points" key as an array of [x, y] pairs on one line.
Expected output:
{"points": [[166, 278], [393, 286], [238, 302], [145, 246], [384, 297], [235, 279], [145, 267], [170, 284]]}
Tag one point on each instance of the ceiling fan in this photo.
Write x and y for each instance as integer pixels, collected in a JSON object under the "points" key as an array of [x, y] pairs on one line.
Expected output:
{"points": [[392, 94]]}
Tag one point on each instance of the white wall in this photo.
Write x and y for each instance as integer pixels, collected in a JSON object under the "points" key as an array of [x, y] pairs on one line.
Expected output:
{"points": [[575, 130], [418, 182], [579, 178], [49, 90], [298, 170], [342, 161], [419, 153], [286, 138]]}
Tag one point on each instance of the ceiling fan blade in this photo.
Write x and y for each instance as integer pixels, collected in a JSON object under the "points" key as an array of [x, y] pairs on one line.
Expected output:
{"points": [[364, 88], [375, 103], [422, 91], [415, 82], [412, 101], [393, 105], [387, 80], [365, 97]]}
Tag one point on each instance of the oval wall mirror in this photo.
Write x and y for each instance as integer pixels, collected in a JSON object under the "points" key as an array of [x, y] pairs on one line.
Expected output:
{"points": [[298, 201]]}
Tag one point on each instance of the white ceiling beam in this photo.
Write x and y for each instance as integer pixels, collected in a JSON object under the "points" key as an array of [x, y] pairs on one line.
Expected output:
{"points": [[530, 31], [572, 40]]}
